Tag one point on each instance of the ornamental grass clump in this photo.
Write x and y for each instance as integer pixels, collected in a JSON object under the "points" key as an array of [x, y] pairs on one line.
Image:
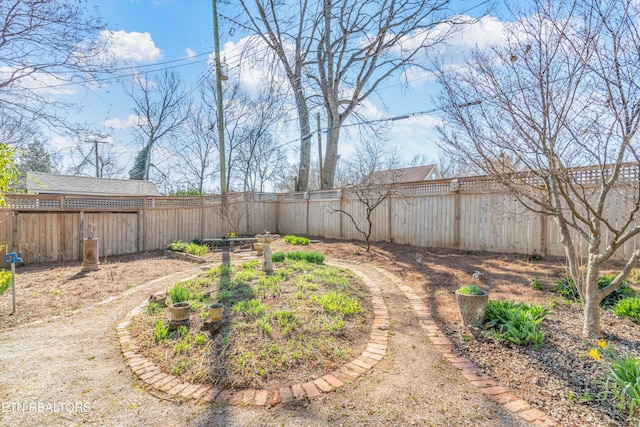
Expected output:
{"points": [[516, 323]]}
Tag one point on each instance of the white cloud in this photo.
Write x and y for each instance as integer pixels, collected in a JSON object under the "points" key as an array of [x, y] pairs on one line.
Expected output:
{"points": [[189, 53], [133, 46], [116, 123]]}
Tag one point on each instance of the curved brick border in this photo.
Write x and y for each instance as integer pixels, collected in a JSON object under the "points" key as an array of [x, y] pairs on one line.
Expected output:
{"points": [[483, 382], [154, 378]]}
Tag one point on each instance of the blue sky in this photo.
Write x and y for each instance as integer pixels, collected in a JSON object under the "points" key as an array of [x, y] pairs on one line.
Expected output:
{"points": [[148, 33]]}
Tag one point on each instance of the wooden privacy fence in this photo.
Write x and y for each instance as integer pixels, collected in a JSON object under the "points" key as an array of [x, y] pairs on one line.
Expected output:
{"points": [[466, 214]]}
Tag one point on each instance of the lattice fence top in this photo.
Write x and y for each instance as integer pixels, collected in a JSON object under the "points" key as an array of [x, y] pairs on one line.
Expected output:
{"points": [[629, 173]]}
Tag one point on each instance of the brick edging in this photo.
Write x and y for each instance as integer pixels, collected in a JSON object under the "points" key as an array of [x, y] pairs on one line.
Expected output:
{"points": [[154, 378], [483, 382]]}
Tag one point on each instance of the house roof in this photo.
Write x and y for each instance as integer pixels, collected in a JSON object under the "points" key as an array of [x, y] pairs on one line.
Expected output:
{"points": [[413, 174], [47, 183]]}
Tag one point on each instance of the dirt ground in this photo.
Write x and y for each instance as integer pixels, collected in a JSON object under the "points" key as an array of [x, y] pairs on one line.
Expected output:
{"points": [[62, 347]]}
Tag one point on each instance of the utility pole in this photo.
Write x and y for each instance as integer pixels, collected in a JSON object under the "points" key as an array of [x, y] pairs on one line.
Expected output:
{"points": [[216, 39], [97, 139]]}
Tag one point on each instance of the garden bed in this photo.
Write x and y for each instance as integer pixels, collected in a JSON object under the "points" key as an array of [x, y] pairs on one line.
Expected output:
{"points": [[299, 323]]}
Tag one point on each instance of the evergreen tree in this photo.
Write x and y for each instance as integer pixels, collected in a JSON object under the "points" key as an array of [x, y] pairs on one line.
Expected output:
{"points": [[35, 158]]}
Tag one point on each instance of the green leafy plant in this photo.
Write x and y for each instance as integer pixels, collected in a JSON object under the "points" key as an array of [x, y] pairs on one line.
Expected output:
{"points": [[628, 307], [200, 339], [264, 324], [286, 320], [567, 288], [470, 290], [5, 281], [278, 257], [535, 283], [154, 307], [251, 308], [295, 240], [161, 332], [312, 257], [516, 323], [195, 249], [337, 302], [178, 245], [179, 293], [190, 248], [622, 378]]}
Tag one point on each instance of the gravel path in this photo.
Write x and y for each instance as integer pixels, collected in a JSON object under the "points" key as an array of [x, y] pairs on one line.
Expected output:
{"points": [[77, 359]]}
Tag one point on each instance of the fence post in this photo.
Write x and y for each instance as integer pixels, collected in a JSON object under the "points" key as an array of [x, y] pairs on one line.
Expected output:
{"points": [[202, 219], [15, 232], [543, 235], [81, 236], [454, 186]]}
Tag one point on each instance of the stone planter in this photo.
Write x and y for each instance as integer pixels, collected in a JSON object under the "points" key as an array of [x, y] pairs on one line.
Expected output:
{"points": [[215, 312], [179, 311], [159, 297], [90, 255], [473, 308]]}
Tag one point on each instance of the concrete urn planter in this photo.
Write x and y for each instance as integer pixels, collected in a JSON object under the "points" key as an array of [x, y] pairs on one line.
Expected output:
{"points": [[473, 308], [215, 312], [179, 311]]}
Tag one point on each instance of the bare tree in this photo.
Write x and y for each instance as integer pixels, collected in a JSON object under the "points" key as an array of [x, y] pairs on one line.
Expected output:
{"points": [[45, 45], [562, 93], [374, 179], [197, 150], [345, 50], [161, 110], [289, 29]]}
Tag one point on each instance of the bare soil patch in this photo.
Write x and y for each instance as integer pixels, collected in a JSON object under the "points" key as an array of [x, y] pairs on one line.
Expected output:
{"points": [[53, 289], [559, 379]]}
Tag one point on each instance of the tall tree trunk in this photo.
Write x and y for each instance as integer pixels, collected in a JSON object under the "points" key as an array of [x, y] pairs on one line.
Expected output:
{"points": [[591, 311], [302, 183], [330, 157]]}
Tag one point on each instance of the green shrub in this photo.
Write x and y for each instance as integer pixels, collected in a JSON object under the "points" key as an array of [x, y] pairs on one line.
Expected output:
{"points": [[294, 240], [516, 323], [567, 288], [470, 290], [179, 293], [628, 307], [278, 257], [5, 281], [161, 332], [337, 302]]}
